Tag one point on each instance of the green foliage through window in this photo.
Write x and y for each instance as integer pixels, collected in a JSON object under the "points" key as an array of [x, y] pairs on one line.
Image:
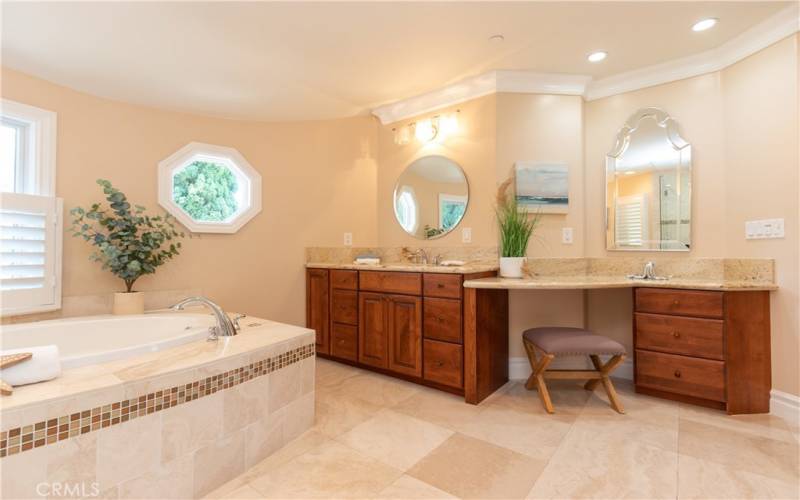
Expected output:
{"points": [[206, 191], [452, 213]]}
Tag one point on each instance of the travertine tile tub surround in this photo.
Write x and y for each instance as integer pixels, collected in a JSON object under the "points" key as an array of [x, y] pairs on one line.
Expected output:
{"points": [[176, 423]]}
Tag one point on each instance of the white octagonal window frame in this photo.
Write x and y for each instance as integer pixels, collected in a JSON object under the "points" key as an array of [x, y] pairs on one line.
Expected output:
{"points": [[248, 179]]}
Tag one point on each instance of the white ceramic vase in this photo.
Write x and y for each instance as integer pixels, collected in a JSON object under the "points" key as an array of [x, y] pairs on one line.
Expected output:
{"points": [[128, 303], [511, 267]]}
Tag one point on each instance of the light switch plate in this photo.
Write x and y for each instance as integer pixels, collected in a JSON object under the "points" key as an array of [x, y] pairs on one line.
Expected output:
{"points": [[348, 239], [566, 235], [466, 235], [764, 229]]}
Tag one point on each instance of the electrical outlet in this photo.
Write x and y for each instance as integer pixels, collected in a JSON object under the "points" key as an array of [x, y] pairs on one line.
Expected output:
{"points": [[566, 235], [466, 235], [764, 229], [348, 239]]}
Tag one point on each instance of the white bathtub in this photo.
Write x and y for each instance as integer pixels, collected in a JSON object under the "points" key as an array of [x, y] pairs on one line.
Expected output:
{"points": [[98, 339]]}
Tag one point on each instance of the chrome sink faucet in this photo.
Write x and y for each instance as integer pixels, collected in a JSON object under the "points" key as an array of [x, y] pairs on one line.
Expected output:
{"points": [[420, 256], [648, 274], [225, 327]]}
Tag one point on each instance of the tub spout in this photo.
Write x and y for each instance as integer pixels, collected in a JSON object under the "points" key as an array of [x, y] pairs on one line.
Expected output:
{"points": [[224, 328]]}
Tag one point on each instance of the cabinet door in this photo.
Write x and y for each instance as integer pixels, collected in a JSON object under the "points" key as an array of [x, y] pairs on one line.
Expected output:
{"points": [[405, 335], [317, 306], [373, 326]]}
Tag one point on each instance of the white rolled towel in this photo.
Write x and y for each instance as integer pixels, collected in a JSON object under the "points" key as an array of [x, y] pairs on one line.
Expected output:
{"points": [[45, 364]]}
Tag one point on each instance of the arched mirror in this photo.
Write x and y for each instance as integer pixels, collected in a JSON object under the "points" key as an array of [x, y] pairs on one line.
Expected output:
{"points": [[430, 197], [648, 185]]}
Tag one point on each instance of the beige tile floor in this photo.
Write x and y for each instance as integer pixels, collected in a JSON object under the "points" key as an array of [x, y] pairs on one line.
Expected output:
{"points": [[377, 437]]}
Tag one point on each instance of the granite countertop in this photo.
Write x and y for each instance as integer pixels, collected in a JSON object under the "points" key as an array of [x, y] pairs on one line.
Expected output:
{"points": [[588, 282], [468, 268]]}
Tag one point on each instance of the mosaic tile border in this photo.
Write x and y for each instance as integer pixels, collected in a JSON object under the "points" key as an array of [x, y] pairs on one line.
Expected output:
{"points": [[51, 431]]}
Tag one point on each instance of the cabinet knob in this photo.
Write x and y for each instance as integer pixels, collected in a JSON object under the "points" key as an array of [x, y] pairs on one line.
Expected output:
{"points": [[677, 374], [676, 334], [440, 364], [439, 285], [676, 302]]}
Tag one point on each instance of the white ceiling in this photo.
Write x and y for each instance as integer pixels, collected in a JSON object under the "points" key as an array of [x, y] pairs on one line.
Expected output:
{"points": [[299, 61]]}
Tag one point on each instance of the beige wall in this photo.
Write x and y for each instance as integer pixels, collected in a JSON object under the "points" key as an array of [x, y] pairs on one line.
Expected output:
{"points": [[762, 168], [472, 148], [318, 182], [742, 124], [322, 178]]}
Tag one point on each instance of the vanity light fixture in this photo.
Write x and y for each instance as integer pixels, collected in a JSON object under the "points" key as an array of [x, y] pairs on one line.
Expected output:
{"points": [[427, 130], [437, 127], [704, 24], [597, 56]]}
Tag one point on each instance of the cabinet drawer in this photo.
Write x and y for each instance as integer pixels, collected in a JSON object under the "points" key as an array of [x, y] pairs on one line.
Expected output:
{"points": [[344, 341], [442, 319], [346, 280], [680, 302], [391, 282], [679, 335], [442, 285], [702, 378], [444, 363], [344, 306]]}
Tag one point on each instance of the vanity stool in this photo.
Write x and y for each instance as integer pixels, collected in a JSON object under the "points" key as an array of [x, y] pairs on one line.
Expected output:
{"points": [[544, 344]]}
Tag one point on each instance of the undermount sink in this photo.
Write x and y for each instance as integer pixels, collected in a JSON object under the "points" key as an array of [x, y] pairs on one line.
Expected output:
{"points": [[647, 278]]}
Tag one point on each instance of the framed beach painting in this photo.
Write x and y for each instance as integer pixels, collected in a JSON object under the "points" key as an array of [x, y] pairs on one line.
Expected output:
{"points": [[542, 187]]}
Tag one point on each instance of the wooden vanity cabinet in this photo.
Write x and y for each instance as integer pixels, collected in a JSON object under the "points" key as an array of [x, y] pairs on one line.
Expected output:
{"points": [[409, 324], [317, 306], [704, 347], [344, 314]]}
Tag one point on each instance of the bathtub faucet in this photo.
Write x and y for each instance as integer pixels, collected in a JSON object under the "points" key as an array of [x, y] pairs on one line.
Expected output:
{"points": [[224, 328]]}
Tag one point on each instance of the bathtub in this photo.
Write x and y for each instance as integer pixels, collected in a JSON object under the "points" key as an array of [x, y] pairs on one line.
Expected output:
{"points": [[105, 426], [99, 339]]}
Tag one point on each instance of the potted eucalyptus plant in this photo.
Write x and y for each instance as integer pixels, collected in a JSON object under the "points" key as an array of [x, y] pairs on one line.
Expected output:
{"points": [[127, 242], [516, 228]]}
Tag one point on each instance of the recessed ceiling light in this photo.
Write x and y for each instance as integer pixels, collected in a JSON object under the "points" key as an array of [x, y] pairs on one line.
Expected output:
{"points": [[496, 38], [597, 56], [704, 24]]}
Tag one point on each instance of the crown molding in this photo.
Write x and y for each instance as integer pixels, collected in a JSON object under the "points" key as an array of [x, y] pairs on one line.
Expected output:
{"points": [[478, 86], [782, 24]]}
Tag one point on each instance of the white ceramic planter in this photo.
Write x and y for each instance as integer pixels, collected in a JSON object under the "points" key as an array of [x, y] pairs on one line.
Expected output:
{"points": [[511, 267], [128, 303]]}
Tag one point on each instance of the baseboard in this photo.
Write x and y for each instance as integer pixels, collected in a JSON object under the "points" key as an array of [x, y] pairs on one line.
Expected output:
{"points": [[520, 368], [785, 405]]}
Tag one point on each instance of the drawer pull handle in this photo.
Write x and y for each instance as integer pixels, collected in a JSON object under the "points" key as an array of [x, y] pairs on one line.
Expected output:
{"points": [[676, 302], [440, 364], [677, 374], [676, 334], [439, 285]]}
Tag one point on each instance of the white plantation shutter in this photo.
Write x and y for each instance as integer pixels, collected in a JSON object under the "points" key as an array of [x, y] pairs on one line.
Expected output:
{"points": [[630, 222], [30, 253]]}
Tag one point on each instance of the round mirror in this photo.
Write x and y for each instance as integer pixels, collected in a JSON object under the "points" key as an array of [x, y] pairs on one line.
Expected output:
{"points": [[430, 197]]}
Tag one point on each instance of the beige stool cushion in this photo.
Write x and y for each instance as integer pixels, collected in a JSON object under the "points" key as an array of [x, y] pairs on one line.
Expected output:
{"points": [[571, 341]]}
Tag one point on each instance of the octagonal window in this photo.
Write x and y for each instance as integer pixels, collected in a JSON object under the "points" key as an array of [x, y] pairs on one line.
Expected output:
{"points": [[209, 188]]}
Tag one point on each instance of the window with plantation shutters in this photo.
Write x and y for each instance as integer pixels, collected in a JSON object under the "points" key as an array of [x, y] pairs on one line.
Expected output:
{"points": [[630, 223], [31, 231], [30, 248]]}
